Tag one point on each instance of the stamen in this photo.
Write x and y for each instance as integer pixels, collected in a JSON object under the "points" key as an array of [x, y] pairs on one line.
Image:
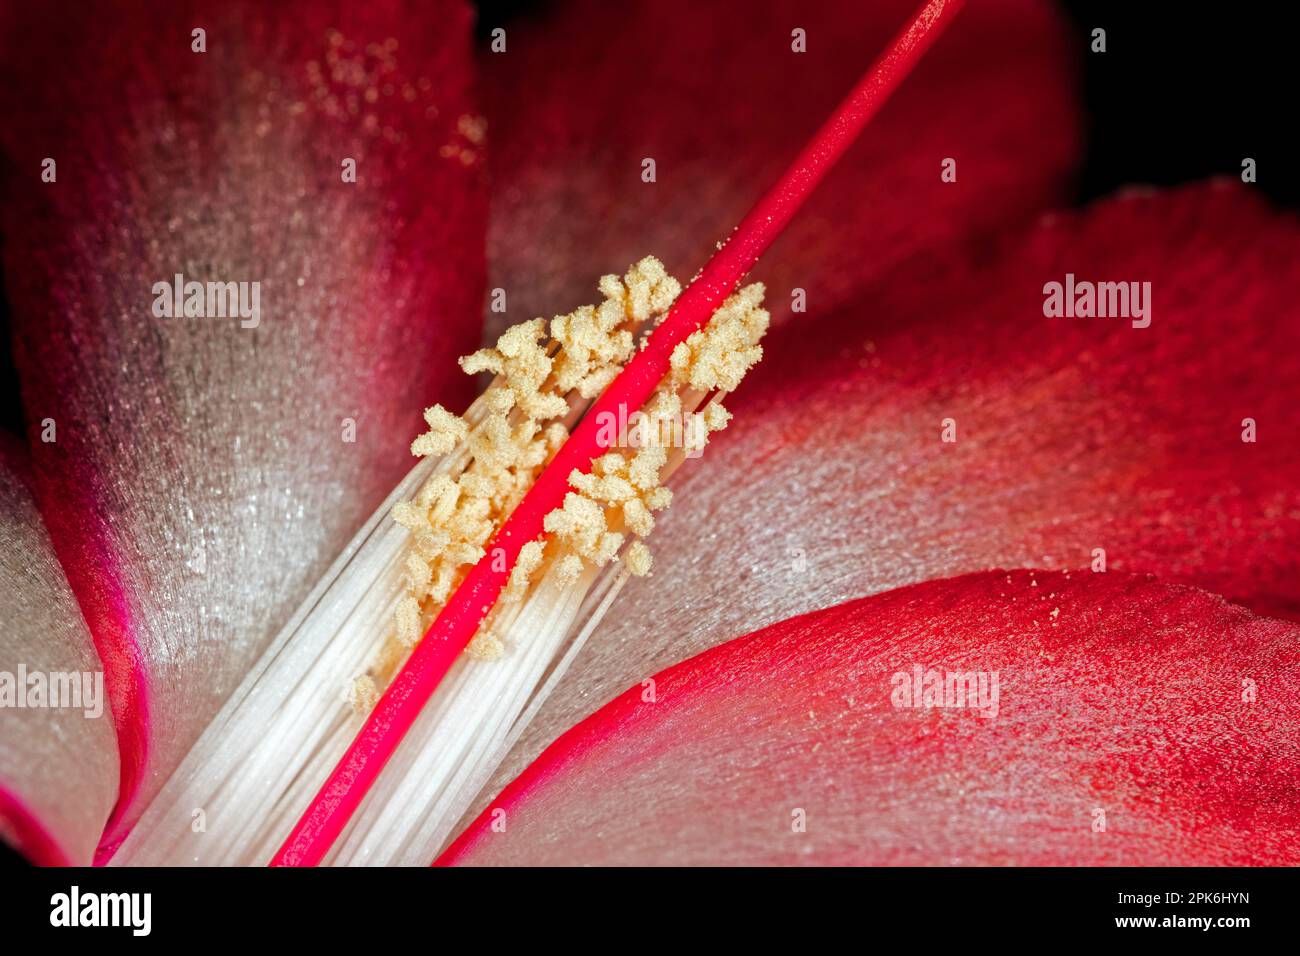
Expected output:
{"points": [[455, 513], [473, 600], [540, 387]]}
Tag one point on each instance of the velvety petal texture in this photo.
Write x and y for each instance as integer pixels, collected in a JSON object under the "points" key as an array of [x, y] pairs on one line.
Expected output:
{"points": [[207, 469], [716, 95], [1134, 723], [1078, 442], [58, 762]]}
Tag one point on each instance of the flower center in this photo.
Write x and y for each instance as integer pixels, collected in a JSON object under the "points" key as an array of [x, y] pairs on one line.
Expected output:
{"points": [[494, 454]]}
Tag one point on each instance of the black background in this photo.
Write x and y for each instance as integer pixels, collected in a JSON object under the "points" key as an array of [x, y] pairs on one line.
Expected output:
{"points": [[911, 910]]}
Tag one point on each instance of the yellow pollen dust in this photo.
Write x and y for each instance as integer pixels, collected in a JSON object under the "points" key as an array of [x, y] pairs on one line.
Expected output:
{"points": [[544, 375]]}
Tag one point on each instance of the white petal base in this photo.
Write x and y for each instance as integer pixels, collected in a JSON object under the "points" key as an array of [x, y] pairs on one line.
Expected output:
{"points": [[240, 790]]}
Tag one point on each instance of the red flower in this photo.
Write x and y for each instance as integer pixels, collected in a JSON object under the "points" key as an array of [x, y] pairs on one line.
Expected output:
{"points": [[197, 486]]}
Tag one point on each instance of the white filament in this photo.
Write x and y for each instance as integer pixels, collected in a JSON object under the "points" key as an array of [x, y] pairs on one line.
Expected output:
{"points": [[257, 766], [252, 773]]}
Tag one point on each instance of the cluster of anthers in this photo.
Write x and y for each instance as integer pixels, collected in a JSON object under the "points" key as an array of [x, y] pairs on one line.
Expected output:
{"points": [[542, 384]]}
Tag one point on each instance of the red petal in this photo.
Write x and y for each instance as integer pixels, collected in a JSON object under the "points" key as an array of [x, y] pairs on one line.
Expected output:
{"points": [[202, 478], [715, 95], [58, 765], [1115, 694], [1073, 434]]}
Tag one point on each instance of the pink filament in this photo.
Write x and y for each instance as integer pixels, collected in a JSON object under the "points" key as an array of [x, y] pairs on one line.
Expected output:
{"points": [[459, 620]]}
